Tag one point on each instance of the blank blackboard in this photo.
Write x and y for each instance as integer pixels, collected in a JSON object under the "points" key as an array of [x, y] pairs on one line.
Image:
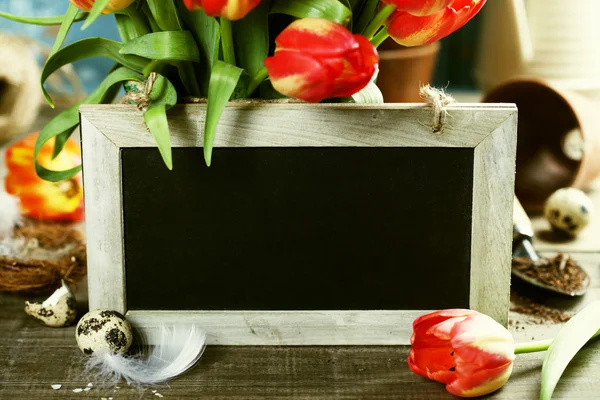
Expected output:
{"points": [[298, 229]]}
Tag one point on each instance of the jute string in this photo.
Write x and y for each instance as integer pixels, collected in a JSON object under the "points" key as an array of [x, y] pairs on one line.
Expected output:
{"points": [[141, 98], [439, 100]]}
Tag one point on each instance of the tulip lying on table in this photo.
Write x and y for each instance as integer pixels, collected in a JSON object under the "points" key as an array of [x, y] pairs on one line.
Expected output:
{"points": [[473, 355], [40, 199]]}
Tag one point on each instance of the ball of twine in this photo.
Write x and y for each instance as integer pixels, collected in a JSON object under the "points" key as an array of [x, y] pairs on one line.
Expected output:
{"points": [[139, 93]]}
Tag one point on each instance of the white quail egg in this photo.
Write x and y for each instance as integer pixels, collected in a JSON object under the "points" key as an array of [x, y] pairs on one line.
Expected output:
{"points": [[104, 330], [569, 210]]}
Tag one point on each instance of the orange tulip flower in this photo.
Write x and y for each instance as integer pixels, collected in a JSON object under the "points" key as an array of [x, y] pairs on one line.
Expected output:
{"points": [[467, 351], [40, 199], [419, 7], [113, 5], [230, 9], [415, 30], [317, 59]]}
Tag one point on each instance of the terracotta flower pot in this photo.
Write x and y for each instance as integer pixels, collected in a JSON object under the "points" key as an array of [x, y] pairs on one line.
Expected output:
{"points": [[558, 139], [403, 70]]}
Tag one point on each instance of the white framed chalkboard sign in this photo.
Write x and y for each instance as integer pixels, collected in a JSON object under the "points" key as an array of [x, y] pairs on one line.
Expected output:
{"points": [[329, 224]]}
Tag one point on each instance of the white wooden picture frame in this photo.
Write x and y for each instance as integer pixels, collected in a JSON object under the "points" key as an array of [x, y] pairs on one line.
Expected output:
{"points": [[489, 129]]}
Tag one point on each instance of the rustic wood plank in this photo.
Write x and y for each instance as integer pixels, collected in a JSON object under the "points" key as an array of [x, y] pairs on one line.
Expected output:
{"points": [[102, 175], [493, 188], [304, 125]]}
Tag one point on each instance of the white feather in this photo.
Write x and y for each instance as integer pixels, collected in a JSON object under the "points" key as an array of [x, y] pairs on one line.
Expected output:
{"points": [[10, 214], [176, 350]]}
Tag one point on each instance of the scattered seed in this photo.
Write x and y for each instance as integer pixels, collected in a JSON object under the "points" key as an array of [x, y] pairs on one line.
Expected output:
{"points": [[56, 387], [78, 390]]}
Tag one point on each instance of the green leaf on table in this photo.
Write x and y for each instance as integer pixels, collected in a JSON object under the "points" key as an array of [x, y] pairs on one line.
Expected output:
{"points": [[369, 95], [223, 81], [95, 12], [165, 14], [162, 97], [92, 47], [332, 10], [171, 45], [65, 27], [63, 124], [570, 339], [251, 38], [43, 21], [207, 32]]}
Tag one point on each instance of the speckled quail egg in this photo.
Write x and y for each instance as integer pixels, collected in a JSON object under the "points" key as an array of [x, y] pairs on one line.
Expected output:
{"points": [[568, 210], [57, 311], [103, 330]]}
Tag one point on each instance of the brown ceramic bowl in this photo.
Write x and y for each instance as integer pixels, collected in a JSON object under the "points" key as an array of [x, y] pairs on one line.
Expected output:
{"points": [[546, 116]]}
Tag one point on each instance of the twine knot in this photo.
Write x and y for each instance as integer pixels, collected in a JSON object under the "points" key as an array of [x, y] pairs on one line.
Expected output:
{"points": [[438, 99], [140, 94]]}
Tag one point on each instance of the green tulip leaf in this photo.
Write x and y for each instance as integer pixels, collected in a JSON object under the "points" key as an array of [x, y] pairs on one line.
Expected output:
{"points": [[332, 10], [251, 38], [43, 21], [92, 47], [369, 95], [126, 27], [162, 97], [65, 27], [362, 17], [95, 12], [165, 14], [207, 33], [171, 45], [223, 81], [63, 124], [570, 339]]}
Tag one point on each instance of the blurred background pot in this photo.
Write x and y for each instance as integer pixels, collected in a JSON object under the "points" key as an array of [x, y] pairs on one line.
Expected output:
{"points": [[403, 70], [558, 139], [554, 40]]}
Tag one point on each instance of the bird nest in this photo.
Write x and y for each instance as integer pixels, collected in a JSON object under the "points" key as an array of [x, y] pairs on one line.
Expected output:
{"points": [[38, 255]]}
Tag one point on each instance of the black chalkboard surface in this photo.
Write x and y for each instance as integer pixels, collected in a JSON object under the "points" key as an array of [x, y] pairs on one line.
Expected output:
{"points": [[298, 229]]}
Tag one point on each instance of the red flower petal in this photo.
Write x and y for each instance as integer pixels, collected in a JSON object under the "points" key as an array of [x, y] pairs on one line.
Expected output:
{"points": [[411, 30], [316, 36], [420, 7], [230, 9], [296, 75]]}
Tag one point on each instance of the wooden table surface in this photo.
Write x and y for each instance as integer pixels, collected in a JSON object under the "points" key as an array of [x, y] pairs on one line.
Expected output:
{"points": [[33, 357]]}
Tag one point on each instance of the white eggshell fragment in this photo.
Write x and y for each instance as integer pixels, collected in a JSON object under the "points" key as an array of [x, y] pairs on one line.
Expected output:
{"points": [[103, 330], [569, 210], [57, 311]]}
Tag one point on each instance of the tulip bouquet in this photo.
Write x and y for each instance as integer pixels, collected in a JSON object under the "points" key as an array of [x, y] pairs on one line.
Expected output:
{"points": [[473, 355], [222, 50]]}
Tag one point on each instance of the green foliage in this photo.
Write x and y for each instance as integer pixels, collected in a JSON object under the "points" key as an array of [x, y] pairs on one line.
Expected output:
{"points": [[187, 51]]}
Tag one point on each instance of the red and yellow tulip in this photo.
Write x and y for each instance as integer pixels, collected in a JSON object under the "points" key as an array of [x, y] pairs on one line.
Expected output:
{"points": [[317, 59], [40, 199], [113, 5], [409, 29], [230, 9], [467, 351], [419, 7]]}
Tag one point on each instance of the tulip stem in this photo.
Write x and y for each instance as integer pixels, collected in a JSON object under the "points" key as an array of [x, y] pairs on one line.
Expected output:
{"points": [[378, 21], [533, 347], [257, 80], [540, 345], [380, 37], [227, 41]]}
